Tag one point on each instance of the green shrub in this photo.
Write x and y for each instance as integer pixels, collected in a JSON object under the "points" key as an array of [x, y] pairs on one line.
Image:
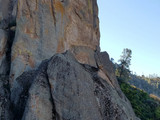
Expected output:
{"points": [[144, 106]]}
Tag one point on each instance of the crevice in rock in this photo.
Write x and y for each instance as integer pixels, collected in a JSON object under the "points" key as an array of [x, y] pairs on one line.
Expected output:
{"points": [[77, 14], [20, 93], [53, 11], [89, 68], [28, 7], [11, 35], [55, 115]]}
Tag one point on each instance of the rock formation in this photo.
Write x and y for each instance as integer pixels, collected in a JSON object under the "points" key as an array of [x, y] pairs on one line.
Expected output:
{"points": [[51, 67], [46, 27]]}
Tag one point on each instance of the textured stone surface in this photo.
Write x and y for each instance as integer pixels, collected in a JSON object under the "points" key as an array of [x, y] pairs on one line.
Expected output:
{"points": [[40, 104], [19, 93], [64, 89], [72, 89], [3, 49], [77, 85], [84, 55], [7, 13], [104, 63], [5, 109], [7, 21], [47, 27], [4, 9]]}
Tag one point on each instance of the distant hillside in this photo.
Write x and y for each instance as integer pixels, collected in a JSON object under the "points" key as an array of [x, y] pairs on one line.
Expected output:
{"points": [[145, 107], [150, 85], [143, 93]]}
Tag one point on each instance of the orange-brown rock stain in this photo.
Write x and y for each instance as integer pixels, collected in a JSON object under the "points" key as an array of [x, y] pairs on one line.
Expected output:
{"points": [[60, 47], [82, 57], [46, 31], [59, 7], [31, 62], [31, 30]]}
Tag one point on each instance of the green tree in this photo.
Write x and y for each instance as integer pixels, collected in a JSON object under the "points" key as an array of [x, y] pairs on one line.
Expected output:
{"points": [[125, 61]]}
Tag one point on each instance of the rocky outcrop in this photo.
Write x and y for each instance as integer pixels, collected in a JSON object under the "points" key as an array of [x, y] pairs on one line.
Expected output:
{"points": [[51, 67], [63, 89]]}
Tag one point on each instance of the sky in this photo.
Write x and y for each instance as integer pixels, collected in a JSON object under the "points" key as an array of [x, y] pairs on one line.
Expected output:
{"points": [[133, 24]]}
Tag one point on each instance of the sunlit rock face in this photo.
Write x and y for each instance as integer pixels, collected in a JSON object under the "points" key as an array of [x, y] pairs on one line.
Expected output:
{"points": [[46, 27]]}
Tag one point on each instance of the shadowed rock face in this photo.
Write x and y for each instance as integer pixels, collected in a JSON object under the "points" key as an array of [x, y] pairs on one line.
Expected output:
{"points": [[7, 13], [51, 67], [3, 50]]}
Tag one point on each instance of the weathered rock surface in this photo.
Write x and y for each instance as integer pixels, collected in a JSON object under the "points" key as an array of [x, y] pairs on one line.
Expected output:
{"points": [[64, 89], [7, 13], [75, 85], [3, 50], [7, 21], [46, 27], [5, 104], [6, 39], [19, 93], [71, 88]]}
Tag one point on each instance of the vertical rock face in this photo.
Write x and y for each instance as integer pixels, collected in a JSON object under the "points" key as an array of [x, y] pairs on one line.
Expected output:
{"points": [[46, 27], [54, 69]]}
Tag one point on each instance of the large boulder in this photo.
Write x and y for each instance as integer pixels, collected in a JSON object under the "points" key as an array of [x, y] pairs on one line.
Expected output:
{"points": [[63, 89]]}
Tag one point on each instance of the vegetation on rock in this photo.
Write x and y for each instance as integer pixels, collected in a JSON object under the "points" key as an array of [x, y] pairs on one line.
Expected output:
{"points": [[141, 91], [144, 106], [149, 84]]}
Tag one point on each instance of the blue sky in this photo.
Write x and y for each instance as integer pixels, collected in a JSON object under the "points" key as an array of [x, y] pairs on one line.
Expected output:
{"points": [[133, 24]]}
